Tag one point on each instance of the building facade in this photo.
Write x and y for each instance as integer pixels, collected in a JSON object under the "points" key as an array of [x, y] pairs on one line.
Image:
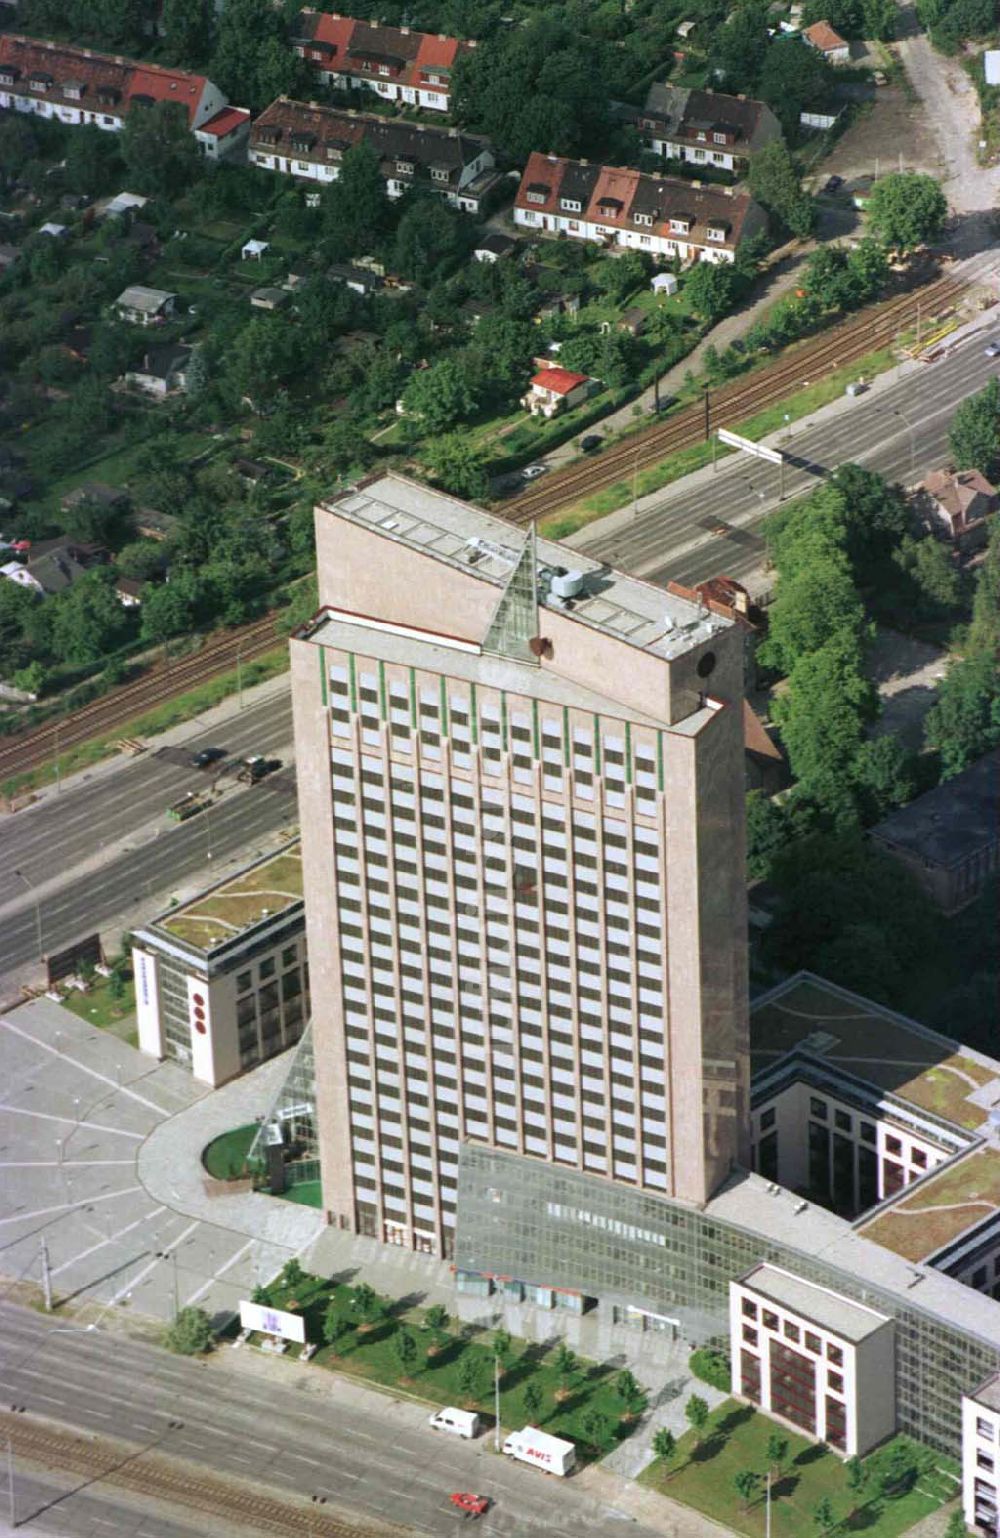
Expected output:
{"points": [[524, 895], [668, 217], [981, 1458], [77, 86], [222, 981], [705, 128], [397, 63], [309, 142]]}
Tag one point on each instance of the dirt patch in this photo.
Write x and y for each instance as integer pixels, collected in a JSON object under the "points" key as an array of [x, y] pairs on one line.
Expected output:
{"points": [[885, 125]]}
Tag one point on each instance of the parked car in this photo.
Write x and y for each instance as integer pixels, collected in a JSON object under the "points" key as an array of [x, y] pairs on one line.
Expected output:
{"points": [[591, 442], [663, 404], [992, 348], [461, 1423], [206, 757], [833, 183], [532, 472]]}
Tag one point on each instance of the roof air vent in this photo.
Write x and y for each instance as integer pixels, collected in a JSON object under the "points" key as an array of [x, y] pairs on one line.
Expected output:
{"points": [[567, 584]]}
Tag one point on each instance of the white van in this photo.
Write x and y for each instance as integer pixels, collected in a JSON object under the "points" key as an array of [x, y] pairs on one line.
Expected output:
{"points": [[461, 1423]]}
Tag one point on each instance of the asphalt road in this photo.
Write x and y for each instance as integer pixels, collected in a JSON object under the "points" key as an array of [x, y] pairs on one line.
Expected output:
{"points": [[900, 430], [375, 1455], [103, 847]]}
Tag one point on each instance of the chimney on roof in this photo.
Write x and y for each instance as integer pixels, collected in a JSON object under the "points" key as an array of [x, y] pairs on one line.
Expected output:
{"points": [[741, 96]]}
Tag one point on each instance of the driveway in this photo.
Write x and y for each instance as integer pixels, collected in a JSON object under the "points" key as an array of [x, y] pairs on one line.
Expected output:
{"points": [[951, 109]]}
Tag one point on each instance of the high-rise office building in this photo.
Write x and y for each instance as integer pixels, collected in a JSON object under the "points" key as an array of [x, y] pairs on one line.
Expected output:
{"points": [[521, 794]]}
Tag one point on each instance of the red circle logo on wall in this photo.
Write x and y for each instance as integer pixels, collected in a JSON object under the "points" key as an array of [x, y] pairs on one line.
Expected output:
{"points": [[199, 998], [199, 1026]]}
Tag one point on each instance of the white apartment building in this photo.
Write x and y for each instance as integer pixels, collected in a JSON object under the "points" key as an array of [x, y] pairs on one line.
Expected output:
{"points": [[981, 1458], [813, 1358]]}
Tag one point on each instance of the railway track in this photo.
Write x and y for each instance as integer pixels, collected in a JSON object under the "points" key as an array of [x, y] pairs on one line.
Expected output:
{"points": [[158, 1476], [26, 750], [734, 402]]}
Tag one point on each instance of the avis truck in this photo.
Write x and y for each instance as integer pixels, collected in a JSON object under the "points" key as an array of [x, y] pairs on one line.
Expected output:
{"points": [[550, 1454]]}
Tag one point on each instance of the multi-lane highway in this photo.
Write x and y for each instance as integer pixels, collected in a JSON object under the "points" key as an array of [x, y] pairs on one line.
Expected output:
{"points": [[708, 524], [103, 850], [311, 1435]]}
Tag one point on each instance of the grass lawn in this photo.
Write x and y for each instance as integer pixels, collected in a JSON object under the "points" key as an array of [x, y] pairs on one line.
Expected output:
{"points": [[307, 1193], [99, 1006], [446, 1378], [225, 1156], [736, 1438], [568, 520]]}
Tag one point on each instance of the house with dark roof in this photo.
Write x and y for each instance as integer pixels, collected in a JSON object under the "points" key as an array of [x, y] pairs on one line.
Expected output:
{"points": [[397, 63], [163, 371], [957, 504], [77, 86], [142, 306], [307, 141], [618, 206], [53, 565], [949, 838], [705, 128]]}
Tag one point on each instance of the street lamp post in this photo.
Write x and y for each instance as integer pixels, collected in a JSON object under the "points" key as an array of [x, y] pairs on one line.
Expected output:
{"points": [[38, 909], [708, 418], [913, 439]]}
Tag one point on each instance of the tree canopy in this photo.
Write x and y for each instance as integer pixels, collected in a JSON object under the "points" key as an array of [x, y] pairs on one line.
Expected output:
{"points": [[974, 435], [906, 209]]}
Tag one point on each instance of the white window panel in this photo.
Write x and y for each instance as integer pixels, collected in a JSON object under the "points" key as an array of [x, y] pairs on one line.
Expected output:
{"points": [[624, 1171], [535, 1145], [478, 1129], [563, 1103], [534, 1094], [534, 1119], [365, 1193], [364, 1170], [591, 1033], [363, 1145]]}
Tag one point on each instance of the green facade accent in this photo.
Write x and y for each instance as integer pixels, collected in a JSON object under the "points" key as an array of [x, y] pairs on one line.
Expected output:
{"points": [[413, 699], [597, 744], [444, 708], [383, 704], [322, 676], [352, 682], [566, 742], [503, 722], [628, 752], [659, 762], [536, 733]]}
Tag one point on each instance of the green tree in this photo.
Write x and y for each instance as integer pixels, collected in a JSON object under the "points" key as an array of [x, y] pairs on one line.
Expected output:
{"points": [[897, 1468], [880, 18], [436, 1318], [405, 1346], [261, 1295], [956, 1527], [456, 464], [161, 154], [171, 608], [793, 77], [565, 1363], [823, 1514], [874, 516], [191, 1333], [822, 717], [262, 359], [777, 1451], [627, 1388], [292, 1275], [696, 1415], [440, 396], [856, 1476], [974, 435], [745, 1483], [740, 46], [93, 160], [502, 1345], [595, 1427], [774, 182], [365, 1303], [18, 144], [186, 27], [964, 721], [816, 601], [141, 559], [470, 1375], [711, 289], [356, 211], [251, 60], [907, 208], [883, 776], [431, 239], [335, 1325], [17, 604], [532, 1399], [664, 1444], [87, 622]]}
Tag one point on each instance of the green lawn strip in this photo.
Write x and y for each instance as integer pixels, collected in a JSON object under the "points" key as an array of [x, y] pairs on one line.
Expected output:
{"points": [[306, 1193], [98, 1005], [225, 1156], [173, 711], [701, 1474], [568, 520], [440, 1377]]}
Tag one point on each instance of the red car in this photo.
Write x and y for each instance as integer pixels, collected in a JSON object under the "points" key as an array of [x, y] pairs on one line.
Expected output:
{"points": [[470, 1505]]}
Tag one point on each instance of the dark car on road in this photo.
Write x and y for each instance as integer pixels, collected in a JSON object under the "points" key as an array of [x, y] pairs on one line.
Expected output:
{"points": [[206, 757]]}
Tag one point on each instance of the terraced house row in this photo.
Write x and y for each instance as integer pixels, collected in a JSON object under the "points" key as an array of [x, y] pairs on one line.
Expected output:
{"points": [[79, 87], [400, 65], [307, 141], [617, 206]]}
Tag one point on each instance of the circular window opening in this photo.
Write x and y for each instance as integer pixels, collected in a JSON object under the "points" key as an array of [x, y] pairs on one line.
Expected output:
{"points": [[706, 664]]}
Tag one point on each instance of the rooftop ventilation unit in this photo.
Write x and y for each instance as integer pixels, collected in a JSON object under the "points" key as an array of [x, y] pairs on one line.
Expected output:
{"points": [[567, 584]]}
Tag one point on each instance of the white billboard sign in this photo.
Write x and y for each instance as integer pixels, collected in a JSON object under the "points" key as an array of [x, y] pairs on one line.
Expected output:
{"points": [[273, 1321], [748, 446]]}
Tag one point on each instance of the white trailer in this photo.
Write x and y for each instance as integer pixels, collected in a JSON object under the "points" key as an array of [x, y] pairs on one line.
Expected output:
{"points": [[550, 1454]]}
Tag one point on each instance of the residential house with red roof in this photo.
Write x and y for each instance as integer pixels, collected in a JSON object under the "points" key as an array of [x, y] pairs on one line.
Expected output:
{"points": [[400, 65], [555, 389], [78, 86], [617, 206], [310, 142], [958, 504], [225, 134], [827, 41], [705, 128]]}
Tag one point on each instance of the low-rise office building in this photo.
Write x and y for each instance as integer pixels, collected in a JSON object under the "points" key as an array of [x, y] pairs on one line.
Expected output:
{"points": [[981, 1458], [949, 838], [222, 981]]}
